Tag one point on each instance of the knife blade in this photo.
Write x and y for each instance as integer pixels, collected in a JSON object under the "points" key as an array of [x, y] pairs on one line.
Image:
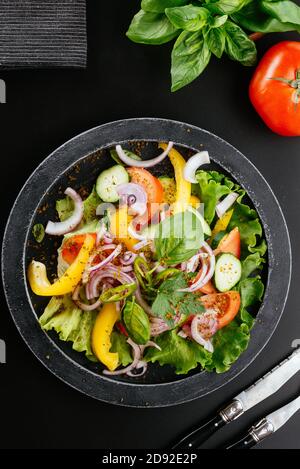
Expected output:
{"points": [[268, 426], [258, 392]]}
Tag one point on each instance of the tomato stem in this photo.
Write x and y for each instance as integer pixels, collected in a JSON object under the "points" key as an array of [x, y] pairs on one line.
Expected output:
{"points": [[293, 84]]}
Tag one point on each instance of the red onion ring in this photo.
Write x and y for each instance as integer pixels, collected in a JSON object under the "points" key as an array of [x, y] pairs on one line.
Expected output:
{"points": [[145, 163], [64, 227], [128, 258], [203, 327], [108, 259], [139, 206], [226, 204], [141, 244], [81, 305], [193, 164]]}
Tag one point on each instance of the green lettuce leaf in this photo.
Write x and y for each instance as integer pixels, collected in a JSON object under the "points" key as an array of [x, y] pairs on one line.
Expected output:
{"points": [[229, 343], [70, 323], [119, 345], [211, 190], [65, 207], [252, 263], [251, 290], [183, 355]]}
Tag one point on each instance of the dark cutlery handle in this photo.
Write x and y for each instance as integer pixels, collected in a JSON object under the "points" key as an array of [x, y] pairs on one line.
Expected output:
{"points": [[201, 434], [245, 443]]}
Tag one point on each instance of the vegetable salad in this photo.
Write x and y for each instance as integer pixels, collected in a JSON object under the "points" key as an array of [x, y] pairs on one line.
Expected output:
{"points": [[154, 269]]}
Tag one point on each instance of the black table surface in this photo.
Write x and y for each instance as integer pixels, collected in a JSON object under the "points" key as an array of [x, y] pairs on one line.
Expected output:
{"points": [[46, 108]]}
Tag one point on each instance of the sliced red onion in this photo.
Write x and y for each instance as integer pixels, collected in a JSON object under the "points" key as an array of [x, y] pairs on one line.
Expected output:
{"points": [[193, 164], [226, 204], [192, 264], [128, 258], [203, 327], [136, 358], [207, 273], [110, 271], [182, 334], [81, 305], [199, 284], [142, 302], [127, 268], [107, 239], [64, 227], [134, 196], [108, 247], [158, 326], [145, 163], [108, 259], [141, 244]]}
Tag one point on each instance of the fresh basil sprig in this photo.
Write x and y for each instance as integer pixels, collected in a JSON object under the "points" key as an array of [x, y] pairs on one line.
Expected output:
{"points": [[205, 27], [137, 322]]}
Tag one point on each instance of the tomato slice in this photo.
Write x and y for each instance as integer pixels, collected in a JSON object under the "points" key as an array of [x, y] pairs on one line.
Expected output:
{"points": [[226, 304], [150, 183], [72, 246], [231, 243]]}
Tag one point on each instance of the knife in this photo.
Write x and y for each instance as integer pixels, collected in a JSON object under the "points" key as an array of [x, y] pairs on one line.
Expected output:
{"points": [[268, 426], [257, 393]]}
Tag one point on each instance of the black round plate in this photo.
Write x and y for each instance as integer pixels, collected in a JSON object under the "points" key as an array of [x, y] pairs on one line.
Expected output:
{"points": [[77, 163]]}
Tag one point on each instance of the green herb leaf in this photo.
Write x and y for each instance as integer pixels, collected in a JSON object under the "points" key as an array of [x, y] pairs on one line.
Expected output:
{"points": [[189, 17], [179, 238], [218, 21], [151, 28], [282, 10], [253, 18], [215, 40], [169, 301], [136, 322], [226, 7], [190, 57], [159, 6], [38, 232], [119, 345], [238, 45], [183, 355]]}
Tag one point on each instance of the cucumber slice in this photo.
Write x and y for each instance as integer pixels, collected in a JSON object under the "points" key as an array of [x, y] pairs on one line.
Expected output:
{"points": [[228, 272], [107, 182]]}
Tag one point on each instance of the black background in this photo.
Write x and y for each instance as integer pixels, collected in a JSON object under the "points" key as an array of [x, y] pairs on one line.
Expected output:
{"points": [[46, 108]]}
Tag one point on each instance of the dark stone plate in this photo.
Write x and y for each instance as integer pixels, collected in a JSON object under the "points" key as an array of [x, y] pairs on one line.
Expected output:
{"points": [[77, 163]]}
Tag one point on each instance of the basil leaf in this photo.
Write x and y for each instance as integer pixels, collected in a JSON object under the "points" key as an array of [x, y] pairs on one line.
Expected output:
{"points": [[238, 46], [226, 7], [218, 21], [159, 6], [189, 17], [190, 57], [179, 238], [254, 19], [283, 10], [137, 322], [216, 39], [38, 232], [151, 28]]}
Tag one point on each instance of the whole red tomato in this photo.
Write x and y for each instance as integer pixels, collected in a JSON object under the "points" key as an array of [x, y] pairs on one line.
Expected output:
{"points": [[275, 88]]}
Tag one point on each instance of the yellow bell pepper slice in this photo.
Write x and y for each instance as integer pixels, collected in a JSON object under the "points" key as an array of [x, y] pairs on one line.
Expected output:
{"points": [[102, 330], [222, 223], [119, 222], [195, 201], [183, 187], [38, 280]]}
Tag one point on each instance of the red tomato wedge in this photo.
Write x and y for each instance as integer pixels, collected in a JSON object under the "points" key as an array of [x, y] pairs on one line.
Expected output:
{"points": [[226, 304], [72, 246], [150, 183], [231, 243]]}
